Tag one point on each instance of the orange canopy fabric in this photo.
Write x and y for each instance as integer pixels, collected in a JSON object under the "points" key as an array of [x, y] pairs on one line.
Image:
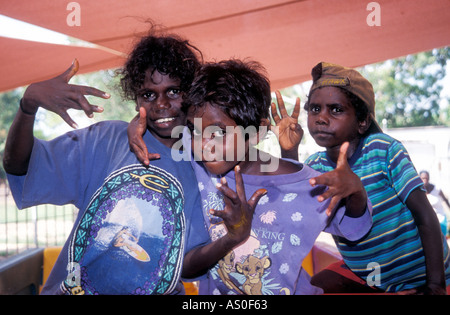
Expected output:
{"points": [[287, 37]]}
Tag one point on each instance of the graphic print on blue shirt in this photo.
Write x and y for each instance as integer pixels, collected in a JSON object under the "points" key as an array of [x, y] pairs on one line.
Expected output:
{"points": [[131, 236]]}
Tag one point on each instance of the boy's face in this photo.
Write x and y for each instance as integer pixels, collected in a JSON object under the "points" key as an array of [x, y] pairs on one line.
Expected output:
{"points": [[161, 97], [332, 118], [216, 139]]}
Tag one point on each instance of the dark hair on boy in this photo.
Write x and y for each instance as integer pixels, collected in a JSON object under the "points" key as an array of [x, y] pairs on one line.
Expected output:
{"points": [[168, 54], [240, 88]]}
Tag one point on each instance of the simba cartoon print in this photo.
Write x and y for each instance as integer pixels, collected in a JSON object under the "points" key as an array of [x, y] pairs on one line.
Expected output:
{"points": [[265, 263]]}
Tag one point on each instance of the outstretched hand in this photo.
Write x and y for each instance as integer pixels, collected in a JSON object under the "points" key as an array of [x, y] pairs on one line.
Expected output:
{"points": [[342, 184], [238, 212], [287, 129], [136, 129], [57, 95]]}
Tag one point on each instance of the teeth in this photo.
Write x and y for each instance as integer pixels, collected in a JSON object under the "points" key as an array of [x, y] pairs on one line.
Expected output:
{"points": [[164, 120]]}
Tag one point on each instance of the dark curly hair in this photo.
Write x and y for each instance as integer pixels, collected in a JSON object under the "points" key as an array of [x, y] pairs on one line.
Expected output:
{"points": [[240, 88], [168, 54]]}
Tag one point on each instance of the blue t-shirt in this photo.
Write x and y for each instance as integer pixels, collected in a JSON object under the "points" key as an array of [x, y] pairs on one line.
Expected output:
{"points": [[394, 243], [134, 223]]}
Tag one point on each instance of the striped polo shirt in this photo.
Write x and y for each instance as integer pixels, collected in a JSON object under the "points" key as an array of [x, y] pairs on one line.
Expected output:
{"points": [[393, 244]]}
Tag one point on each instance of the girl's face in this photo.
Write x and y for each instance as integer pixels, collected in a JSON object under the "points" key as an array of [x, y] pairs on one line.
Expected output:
{"points": [[161, 97], [332, 119], [216, 139]]}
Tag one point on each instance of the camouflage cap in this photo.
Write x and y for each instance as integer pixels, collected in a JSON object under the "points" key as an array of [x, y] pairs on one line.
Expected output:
{"points": [[328, 74]]}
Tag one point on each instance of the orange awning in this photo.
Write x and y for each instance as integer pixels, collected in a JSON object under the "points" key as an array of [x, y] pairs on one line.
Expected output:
{"points": [[288, 37]]}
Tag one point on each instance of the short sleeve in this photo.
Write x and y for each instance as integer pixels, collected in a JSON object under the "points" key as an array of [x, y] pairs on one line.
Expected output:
{"points": [[401, 171]]}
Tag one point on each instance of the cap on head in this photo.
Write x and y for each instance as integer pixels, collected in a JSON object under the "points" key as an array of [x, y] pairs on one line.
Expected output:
{"points": [[328, 74]]}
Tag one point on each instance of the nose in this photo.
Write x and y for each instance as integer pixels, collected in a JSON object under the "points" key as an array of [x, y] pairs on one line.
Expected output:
{"points": [[203, 148], [162, 102], [322, 118], [208, 149]]}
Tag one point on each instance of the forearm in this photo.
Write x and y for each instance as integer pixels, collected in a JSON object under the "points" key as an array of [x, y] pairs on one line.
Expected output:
{"points": [[434, 257], [199, 260], [430, 235], [19, 144]]}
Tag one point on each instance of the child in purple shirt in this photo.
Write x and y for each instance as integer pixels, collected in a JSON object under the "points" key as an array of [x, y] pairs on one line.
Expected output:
{"points": [[226, 104]]}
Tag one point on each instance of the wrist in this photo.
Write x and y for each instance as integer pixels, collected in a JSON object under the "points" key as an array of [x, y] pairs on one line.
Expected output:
{"points": [[356, 204], [291, 153], [230, 242], [26, 109]]}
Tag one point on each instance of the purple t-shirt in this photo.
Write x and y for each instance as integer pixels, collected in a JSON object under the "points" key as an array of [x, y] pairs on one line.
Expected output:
{"points": [[285, 226]]}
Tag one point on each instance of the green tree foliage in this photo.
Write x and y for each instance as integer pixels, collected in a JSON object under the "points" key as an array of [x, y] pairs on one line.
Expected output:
{"points": [[408, 89]]}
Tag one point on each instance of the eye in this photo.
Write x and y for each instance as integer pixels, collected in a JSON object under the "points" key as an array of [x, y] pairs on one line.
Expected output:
{"points": [[313, 108], [174, 93], [219, 133], [337, 109], [148, 96], [195, 132]]}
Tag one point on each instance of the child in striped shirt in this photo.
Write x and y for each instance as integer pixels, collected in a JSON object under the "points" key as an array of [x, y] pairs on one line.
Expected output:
{"points": [[405, 250]]}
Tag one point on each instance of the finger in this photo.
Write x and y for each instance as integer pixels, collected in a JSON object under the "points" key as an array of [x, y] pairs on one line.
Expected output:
{"points": [[86, 106], [281, 106], [229, 194], [142, 122], [342, 159], [79, 102], [327, 194], [296, 111], [71, 71], [88, 90], [324, 180], [136, 128], [332, 206], [275, 116], [297, 129], [218, 213], [240, 189], [63, 114], [253, 201], [140, 150], [153, 156]]}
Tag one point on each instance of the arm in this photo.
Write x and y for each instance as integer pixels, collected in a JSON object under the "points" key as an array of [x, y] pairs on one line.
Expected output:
{"points": [[431, 237], [55, 95], [136, 129], [287, 128], [237, 216]]}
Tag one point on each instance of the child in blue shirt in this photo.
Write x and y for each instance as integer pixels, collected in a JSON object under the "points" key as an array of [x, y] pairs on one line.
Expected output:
{"points": [[135, 224], [405, 243]]}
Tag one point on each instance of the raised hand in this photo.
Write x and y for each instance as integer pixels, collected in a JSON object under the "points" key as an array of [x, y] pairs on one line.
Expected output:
{"points": [[342, 184], [136, 129], [57, 95], [287, 129], [238, 212]]}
